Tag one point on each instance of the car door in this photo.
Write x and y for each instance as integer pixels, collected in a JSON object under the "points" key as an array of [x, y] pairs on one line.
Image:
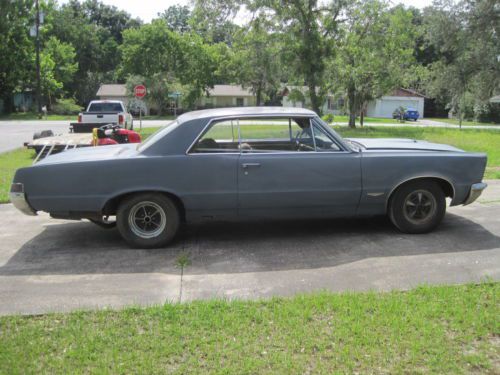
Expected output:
{"points": [[316, 176]]}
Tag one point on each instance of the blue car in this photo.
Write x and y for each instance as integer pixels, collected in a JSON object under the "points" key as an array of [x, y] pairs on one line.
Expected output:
{"points": [[409, 114]]}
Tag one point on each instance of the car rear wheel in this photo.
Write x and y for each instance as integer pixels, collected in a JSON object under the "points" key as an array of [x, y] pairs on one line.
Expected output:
{"points": [[417, 207], [148, 220]]}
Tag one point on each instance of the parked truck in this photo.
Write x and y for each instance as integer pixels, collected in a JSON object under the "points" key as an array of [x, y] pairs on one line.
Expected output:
{"points": [[102, 112]]}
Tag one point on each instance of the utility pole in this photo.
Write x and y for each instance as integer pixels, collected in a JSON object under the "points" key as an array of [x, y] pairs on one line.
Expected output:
{"points": [[37, 46]]}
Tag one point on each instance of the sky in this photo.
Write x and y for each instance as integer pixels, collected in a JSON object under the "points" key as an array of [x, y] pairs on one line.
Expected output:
{"points": [[148, 9]]}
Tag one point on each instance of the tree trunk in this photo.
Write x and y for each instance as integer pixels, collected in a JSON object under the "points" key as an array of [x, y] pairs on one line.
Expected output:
{"points": [[351, 97], [314, 100], [352, 119], [258, 94]]}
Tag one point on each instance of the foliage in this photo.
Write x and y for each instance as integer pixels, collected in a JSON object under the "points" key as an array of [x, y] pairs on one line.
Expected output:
{"points": [[177, 18], [374, 53], [16, 48], [171, 60], [66, 107], [254, 63], [328, 118], [466, 37]]}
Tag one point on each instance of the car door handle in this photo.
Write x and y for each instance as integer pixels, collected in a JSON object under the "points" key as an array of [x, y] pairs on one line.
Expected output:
{"points": [[250, 165]]}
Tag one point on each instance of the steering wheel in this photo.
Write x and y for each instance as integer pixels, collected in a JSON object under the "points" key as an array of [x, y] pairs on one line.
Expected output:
{"points": [[302, 146]]}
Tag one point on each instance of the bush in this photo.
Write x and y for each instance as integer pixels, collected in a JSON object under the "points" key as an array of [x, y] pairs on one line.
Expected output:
{"points": [[328, 118], [66, 107]]}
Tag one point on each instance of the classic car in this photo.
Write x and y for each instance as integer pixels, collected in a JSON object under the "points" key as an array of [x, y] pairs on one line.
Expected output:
{"points": [[263, 162]]}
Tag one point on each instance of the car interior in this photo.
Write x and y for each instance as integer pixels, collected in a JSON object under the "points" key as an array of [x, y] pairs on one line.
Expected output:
{"points": [[264, 135]]}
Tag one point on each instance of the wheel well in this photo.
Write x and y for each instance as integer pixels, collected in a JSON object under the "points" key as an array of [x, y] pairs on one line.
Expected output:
{"points": [[445, 185], [111, 206]]}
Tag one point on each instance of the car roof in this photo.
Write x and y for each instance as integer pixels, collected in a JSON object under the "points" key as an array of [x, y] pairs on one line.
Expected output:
{"points": [[246, 111]]}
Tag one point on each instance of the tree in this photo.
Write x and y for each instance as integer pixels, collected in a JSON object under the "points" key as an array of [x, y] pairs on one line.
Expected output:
{"points": [[373, 55], [255, 63], [308, 29], [160, 55], [466, 38], [177, 18], [16, 48], [63, 55]]}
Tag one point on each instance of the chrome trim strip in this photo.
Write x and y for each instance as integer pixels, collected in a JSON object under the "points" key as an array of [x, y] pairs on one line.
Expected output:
{"points": [[475, 192]]}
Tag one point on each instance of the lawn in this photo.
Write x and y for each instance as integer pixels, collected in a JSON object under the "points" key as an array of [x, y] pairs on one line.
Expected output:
{"points": [[465, 122], [9, 162], [372, 120], [444, 329]]}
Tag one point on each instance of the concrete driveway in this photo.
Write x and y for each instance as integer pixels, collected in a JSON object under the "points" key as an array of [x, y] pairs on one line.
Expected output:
{"points": [[54, 265]]}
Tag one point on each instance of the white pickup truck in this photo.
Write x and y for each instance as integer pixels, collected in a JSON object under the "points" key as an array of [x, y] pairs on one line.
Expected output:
{"points": [[102, 112]]}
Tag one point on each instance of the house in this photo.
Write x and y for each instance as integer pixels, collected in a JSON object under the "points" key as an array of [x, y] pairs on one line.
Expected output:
{"points": [[228, 96], [385, 105], [297, 96], [218, 96]]}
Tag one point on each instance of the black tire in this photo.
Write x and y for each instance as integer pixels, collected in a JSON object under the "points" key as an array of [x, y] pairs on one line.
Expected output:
{"points": [[417, 207], [148, 220]]}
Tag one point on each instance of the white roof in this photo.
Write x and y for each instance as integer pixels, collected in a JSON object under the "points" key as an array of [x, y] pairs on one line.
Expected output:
{"points": [[112, 90], [229, 90]]}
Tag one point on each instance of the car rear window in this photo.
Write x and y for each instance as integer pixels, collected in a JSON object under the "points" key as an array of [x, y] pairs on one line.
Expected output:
{"points": [[105, 107]]}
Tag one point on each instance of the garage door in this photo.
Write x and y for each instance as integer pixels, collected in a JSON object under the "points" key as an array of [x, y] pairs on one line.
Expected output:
{"points": [[388, 106]]}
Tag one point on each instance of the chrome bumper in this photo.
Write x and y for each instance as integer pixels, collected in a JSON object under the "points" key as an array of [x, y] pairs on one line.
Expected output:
{"points": [[18, 199], [475, 192]]}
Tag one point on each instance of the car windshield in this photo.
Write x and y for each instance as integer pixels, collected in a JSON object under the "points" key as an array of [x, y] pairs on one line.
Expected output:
{"points": [[160, 133], [105, 107]]}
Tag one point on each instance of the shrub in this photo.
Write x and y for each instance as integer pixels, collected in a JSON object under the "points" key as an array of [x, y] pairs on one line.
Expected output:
{"points": [[66, 107], [328, 118]]}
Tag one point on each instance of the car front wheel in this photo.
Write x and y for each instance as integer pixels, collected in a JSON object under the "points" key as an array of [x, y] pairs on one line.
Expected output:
{"points": [[417, 207], [148, 220]]}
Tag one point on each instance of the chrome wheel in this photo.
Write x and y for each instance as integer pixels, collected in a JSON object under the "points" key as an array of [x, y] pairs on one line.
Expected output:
{"points": [[147, 219], [419, 206]]}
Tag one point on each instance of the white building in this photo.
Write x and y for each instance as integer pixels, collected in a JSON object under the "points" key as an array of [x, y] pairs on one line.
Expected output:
{"points": [[385, 106]]}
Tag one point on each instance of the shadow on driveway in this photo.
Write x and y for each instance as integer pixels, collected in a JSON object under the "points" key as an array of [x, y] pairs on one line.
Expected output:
{"points": [[82, 248]]}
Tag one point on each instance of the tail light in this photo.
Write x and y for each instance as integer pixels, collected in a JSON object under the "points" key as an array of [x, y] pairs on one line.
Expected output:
{"points": [[79, 118], [120, 119]]}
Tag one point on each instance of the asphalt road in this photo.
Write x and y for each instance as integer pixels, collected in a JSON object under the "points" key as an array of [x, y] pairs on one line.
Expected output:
{"points": [[55, 265], [15, 133]]}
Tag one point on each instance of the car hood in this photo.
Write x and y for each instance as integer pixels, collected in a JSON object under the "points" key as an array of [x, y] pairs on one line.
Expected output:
{"points": [[108, 152], [401, 144]]}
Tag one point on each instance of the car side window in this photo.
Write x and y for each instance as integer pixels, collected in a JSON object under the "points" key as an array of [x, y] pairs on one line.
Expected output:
{"points": [[220, 137], [274, 135], [323, 141]]}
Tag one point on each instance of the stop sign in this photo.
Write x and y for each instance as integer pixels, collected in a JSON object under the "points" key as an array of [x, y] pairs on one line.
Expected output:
{"points": [[140, 91]]}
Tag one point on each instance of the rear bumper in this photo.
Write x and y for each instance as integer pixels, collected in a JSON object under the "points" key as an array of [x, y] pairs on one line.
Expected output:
{"points": [[19, 201], [475, 192]]}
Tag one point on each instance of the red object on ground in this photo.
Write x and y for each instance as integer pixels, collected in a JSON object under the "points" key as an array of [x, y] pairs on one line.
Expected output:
{"points": [[106, 141], [140, 91]]}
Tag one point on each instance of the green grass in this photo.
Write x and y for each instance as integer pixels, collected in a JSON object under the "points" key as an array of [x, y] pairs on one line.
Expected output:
{"points": [[21, 116], [376, 120], [465, 122], [445, 329], [9, 162]]}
